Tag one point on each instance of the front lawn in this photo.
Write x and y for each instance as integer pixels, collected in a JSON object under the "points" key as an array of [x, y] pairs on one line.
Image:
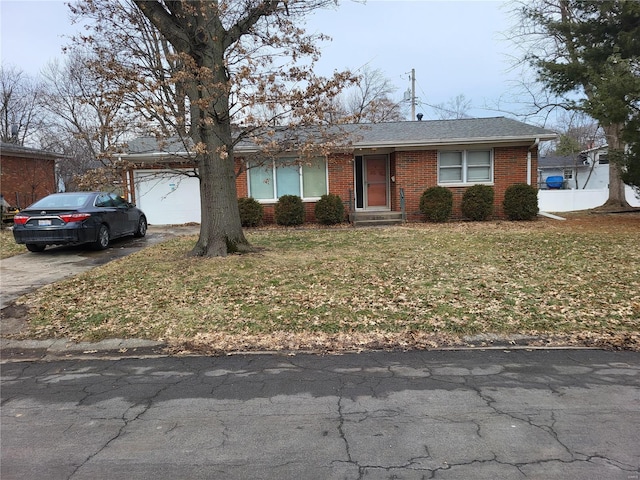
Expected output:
{"points": [[414, 286], [8, 245]]}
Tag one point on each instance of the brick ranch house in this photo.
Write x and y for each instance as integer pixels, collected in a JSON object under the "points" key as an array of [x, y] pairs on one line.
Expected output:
{"points": [[26, 174], [387, 168]]}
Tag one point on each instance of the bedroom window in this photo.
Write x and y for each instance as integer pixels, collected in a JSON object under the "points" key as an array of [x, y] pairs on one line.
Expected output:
{"points": [[465, 166]]}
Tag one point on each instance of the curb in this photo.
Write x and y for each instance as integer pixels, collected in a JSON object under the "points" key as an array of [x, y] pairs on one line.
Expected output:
{"points": [[55, 349]]}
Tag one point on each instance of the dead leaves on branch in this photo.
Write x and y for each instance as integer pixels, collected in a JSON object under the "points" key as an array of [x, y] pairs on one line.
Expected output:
{"points": [[418, 286]]}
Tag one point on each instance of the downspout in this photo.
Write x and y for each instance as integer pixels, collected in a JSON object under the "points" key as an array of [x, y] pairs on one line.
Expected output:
{"points": [[534, 145]]}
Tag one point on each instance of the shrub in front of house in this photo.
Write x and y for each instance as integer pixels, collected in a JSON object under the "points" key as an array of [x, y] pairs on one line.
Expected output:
{"points": [[251, 212], [477, 202], [329, 209], [289, 211], [436, 203], [520, 202]]}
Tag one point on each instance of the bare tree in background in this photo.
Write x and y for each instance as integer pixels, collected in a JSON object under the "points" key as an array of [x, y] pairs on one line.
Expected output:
{"points": [[578, 133], [86, 120], [84, 105], [454, 109], [20, 114], [370, 99]]}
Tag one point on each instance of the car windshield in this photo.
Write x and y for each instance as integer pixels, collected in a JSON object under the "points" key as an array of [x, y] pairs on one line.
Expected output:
{"points": [[70, 200]]}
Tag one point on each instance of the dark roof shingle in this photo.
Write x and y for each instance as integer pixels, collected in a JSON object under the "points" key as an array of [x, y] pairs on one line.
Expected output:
{"points": [[405, 134]]}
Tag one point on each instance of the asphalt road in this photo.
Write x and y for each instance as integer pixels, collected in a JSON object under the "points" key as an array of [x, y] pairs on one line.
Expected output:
{"points": [[554, 414]]}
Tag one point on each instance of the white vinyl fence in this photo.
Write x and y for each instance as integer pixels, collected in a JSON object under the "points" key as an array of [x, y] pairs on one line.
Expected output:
{"points": [[573, 200]]}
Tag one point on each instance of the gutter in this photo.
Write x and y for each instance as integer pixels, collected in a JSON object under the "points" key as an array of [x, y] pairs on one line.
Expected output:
{"points": [[375, 144], [450, 141]]}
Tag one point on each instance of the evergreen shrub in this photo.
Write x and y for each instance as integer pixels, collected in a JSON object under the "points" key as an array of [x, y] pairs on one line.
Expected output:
{"points": [[520, 202], [329, 210], [436, 203], [251, 212], [289, 211], [477, 202]]}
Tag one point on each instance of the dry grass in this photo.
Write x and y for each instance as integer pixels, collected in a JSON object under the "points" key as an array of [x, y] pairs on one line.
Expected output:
{"points": [[8, 246], [413, 286]]}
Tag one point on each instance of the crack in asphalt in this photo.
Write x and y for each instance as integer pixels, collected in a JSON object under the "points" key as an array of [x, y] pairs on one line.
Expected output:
{"points": [[341, 432], [364, 404], [413, 463], [127, 420], [125, 424]]}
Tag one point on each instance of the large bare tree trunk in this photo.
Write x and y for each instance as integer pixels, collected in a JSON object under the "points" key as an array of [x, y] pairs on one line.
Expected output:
{"points": [[220, 230], [220, 226]]}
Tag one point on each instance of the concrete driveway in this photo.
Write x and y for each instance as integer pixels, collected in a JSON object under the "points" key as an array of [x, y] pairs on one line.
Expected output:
{"points": [[24, 273]]}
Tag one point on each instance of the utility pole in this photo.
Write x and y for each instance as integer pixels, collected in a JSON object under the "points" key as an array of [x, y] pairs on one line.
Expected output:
{"points": [[413, 94], [410, 94]]}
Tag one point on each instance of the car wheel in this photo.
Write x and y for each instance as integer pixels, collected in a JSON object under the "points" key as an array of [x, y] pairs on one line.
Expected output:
{"points": [[102, 241], [142, 228], [35, 247]]}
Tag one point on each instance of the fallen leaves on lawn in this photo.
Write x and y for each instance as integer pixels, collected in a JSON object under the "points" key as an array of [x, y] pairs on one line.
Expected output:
{"points": [[418, 286]]}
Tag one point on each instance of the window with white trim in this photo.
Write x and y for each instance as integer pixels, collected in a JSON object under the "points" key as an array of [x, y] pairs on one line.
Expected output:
{"points": [[283, 177], [465, 166]]}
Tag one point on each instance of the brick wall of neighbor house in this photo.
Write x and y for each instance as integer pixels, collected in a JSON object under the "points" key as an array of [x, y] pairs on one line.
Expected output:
{"points": [[25, 180]]}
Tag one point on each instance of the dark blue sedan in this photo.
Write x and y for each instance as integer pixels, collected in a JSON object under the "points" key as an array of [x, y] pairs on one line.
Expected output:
{"points": [[76, 218]]}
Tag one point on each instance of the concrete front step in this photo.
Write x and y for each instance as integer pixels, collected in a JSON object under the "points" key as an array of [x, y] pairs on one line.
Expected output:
{"points": [[376, 218]]}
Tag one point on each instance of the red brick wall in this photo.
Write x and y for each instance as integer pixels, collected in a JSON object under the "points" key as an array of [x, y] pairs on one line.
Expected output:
{"points": [[25, 180], [241, 180], [341, 181], [415, 171], [340, 169], [510, 166]]}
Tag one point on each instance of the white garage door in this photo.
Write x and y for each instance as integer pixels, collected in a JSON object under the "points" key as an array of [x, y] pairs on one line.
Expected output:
{"points": [[167, 198]]}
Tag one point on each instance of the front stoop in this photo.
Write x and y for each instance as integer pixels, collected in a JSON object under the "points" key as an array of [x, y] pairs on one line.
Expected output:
{"points": [[363, 219]]}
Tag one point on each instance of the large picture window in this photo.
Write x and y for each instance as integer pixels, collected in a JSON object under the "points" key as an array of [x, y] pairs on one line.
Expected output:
{"points": [[283, 177], [465, 166]]}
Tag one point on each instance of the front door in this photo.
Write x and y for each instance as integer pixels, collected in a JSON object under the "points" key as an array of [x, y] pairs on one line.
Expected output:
{"points": [[376, 174], [372, 182]]}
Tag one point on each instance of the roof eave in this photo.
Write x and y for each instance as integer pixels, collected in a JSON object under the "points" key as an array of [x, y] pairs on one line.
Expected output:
{"points": [[457, 141], [363, 145], [156, 155]]}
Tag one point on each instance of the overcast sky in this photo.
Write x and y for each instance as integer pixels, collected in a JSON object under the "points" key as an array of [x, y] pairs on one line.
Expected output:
{"points": [[456, 46]]}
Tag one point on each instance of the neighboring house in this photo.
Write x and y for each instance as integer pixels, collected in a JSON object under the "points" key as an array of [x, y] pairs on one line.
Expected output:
{"points": [[586, 182], [386, 168], [26, 174], [588, 170]]}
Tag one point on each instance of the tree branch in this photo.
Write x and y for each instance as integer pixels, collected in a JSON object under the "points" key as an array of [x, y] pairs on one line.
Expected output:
{"points": [[164, 20], [252, 17]]}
